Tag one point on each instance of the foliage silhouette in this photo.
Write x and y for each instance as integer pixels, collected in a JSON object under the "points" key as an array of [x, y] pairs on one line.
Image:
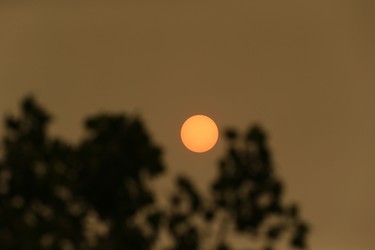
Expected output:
{"points": [[96, 194]]}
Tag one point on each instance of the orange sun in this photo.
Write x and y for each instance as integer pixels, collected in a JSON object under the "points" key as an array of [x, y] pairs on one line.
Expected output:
{"points": [[199, 133]]}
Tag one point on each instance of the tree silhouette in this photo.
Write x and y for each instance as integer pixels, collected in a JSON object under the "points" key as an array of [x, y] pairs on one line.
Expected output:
{"points": [[246, 198], [96, 194]]}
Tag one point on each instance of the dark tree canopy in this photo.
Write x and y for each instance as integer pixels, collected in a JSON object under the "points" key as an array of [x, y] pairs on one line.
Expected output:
{"points": [[96, 194]]}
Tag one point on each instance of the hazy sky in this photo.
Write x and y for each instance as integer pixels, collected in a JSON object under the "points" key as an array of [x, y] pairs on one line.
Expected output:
{"points": [[303, 69]]}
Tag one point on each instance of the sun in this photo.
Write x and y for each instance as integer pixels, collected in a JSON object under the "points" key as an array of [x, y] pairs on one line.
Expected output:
{"points": [[199, 133]]}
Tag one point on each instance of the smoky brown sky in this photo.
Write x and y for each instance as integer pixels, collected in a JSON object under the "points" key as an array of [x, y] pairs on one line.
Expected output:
{"points": [[303, 69]]}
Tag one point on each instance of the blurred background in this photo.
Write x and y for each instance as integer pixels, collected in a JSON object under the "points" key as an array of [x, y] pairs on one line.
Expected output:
{"points": [[302, 69]]}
